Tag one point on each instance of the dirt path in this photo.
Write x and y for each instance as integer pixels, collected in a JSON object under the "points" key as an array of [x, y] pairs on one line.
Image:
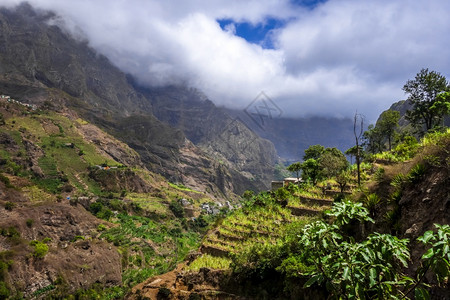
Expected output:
{"points": [[85, 186]]}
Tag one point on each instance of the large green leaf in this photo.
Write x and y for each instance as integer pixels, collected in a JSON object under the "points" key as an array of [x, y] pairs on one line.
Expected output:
{"points": [[421, 294], [316, 278]]}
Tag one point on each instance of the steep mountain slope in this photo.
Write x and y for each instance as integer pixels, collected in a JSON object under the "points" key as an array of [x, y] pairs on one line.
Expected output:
{"points": [[257, 252], [78, 208], [214, 130], [292, 136], [39, 60]]}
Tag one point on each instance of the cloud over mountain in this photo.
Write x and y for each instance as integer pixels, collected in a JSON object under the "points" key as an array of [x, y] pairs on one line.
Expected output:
{"points": [[331, 58]]}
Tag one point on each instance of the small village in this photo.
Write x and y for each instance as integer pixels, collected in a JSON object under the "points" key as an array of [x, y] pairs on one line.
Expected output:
{"points": [[6, 98]]}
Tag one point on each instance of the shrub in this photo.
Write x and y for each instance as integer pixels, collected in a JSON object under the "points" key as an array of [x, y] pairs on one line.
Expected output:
{"points": [[349, 268], [259, 260], [40, 249], [6, 181], [4, 291], [282, 195], [9, 206], [437, 257], [29, 222], [379, 174], [95, 208], [407, 149], [176, 209], [78, 237], [105, 214], [194, 296], [398, 181], [416, 173], [201, 221], [101, 227], [371, 201], [247, 195], [164, 293]]}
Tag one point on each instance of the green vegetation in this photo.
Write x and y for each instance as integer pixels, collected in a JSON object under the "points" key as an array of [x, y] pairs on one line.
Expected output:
{"points": [[9, 206], [295, 233], [319, 163], [265, 241], [149, 248], [428, 109], [209, 261], [387, 124], [149, 238], [295, 168], [40, 248]]}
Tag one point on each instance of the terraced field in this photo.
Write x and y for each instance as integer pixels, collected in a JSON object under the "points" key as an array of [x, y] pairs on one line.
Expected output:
{"points": [[265, 224]]}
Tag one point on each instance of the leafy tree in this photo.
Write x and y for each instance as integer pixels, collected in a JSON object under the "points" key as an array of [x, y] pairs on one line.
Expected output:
{"points": [[332, 162], [295, 168], [441, 106], [311, 170], [343, 178], [314, 152], [423, 92], [373, 139], [387, 124]]}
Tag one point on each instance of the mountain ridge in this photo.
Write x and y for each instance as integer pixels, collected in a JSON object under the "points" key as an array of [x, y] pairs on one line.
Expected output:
{"points": [[41, 63]]}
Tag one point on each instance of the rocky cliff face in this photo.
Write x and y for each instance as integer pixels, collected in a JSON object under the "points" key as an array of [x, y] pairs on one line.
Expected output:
{"points": [[42, 64], [402, 107], [223, 137]]}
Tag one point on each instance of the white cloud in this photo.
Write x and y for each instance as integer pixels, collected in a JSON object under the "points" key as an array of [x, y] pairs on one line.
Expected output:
{"points": [[341, 56]]}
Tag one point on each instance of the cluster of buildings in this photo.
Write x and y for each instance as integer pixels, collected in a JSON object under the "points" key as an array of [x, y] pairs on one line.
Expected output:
{"points": [[11, 100]]}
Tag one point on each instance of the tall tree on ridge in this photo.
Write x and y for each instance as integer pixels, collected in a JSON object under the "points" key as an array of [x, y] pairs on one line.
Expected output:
{"points": [[423, 91], [387, 124]]}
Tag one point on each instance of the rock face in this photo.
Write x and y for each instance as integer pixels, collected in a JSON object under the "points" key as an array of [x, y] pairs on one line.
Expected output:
{"points": [[222, 136], [402, 107], [42, 64]]}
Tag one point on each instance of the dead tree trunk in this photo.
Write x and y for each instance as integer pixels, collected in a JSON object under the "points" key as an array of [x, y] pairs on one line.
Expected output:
{"points": [[358, 134]]}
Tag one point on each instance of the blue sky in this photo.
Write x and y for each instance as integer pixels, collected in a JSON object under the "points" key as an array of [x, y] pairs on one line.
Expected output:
{"points": [[326, 58], [254, 33], [260, 33]]}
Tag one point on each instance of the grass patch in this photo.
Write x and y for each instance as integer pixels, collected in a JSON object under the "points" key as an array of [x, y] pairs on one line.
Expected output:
{"points": [[149, 203], [208, 261], [181, 187]]}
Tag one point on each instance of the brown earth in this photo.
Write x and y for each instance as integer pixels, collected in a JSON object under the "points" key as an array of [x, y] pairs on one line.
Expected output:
{"points": [[76, 257], [178, 284]]}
